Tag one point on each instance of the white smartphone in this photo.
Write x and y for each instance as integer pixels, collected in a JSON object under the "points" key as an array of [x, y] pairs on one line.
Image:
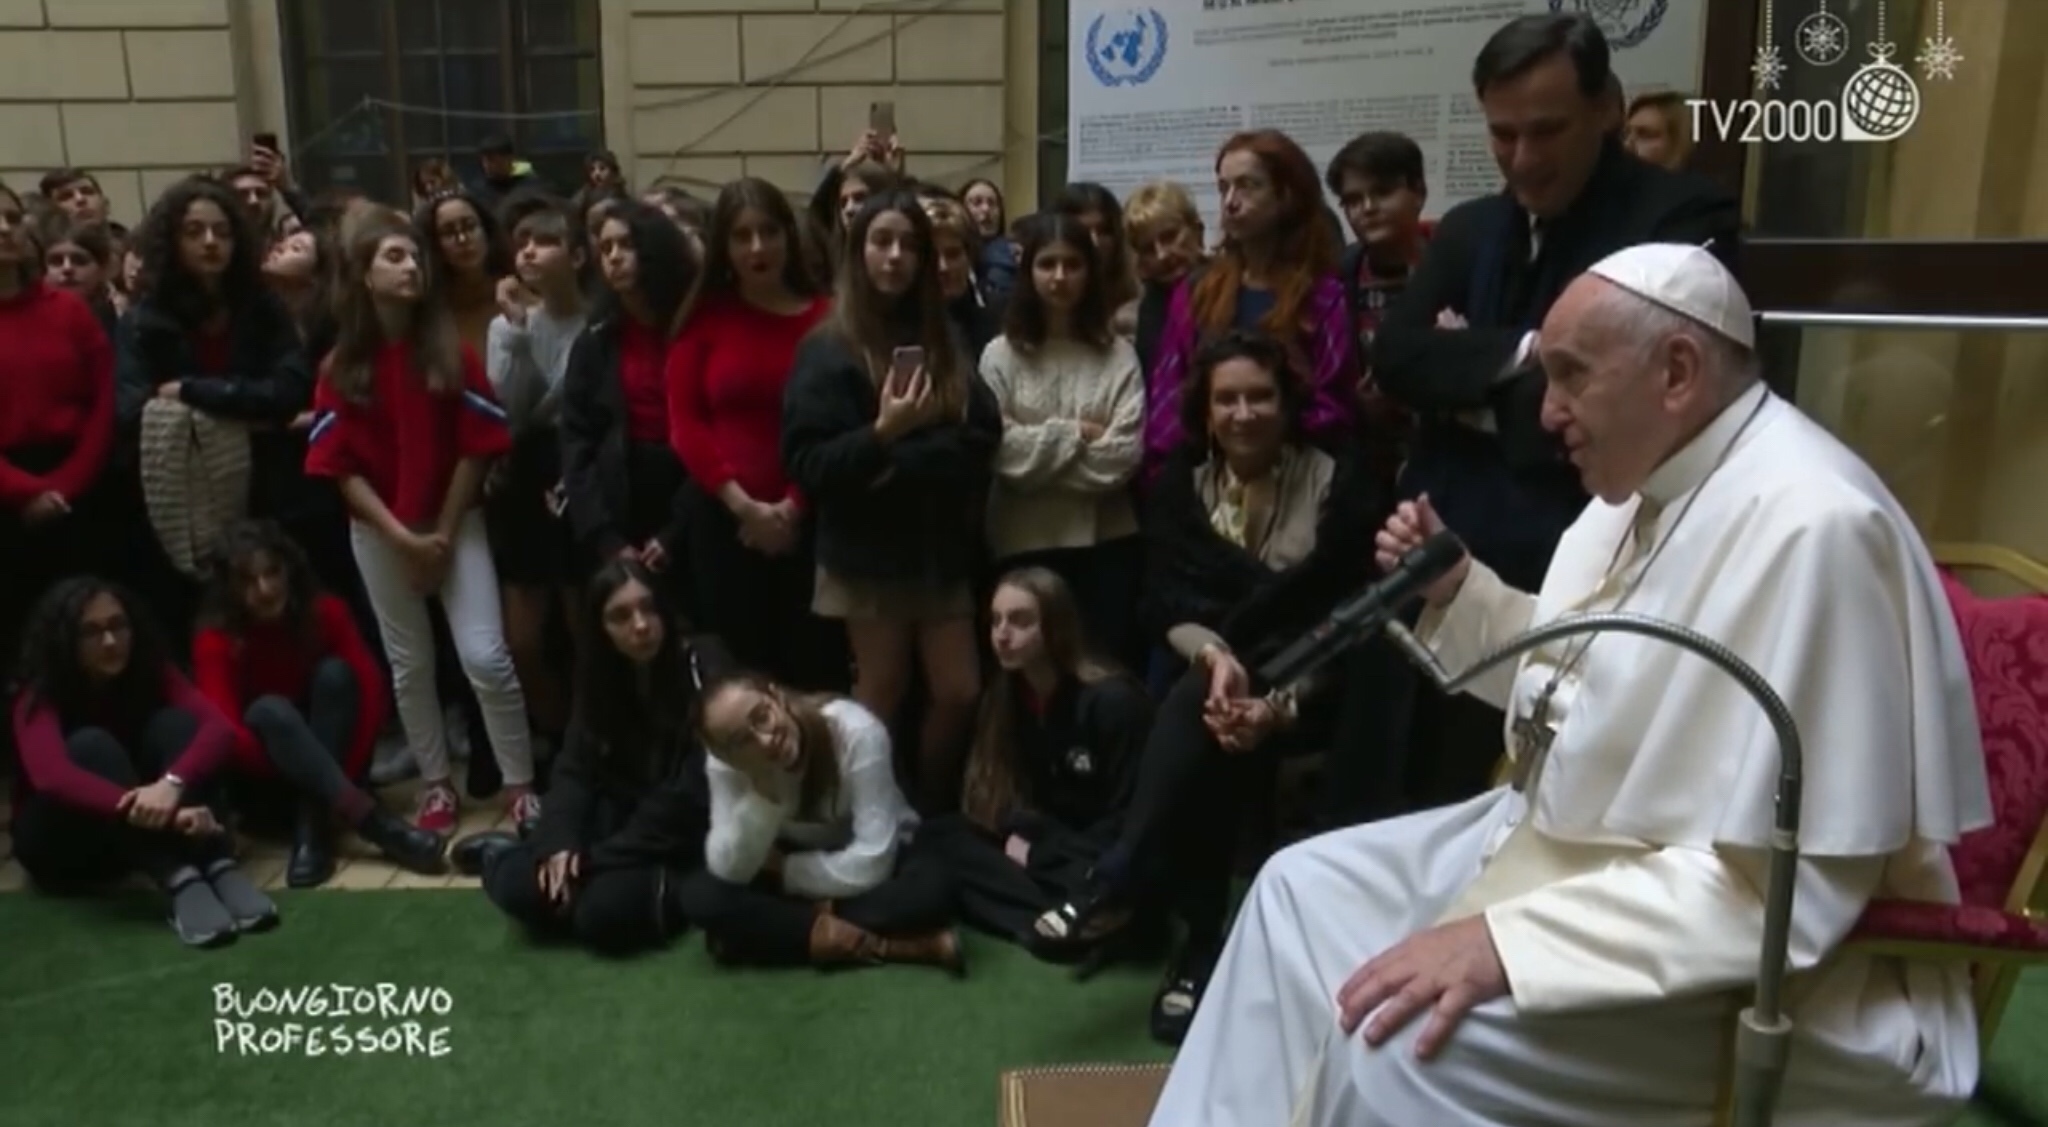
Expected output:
{"points": [[904, 364]]}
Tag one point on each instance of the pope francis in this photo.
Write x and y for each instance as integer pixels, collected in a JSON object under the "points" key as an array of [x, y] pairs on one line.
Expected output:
{"points": [[1569, 950]]}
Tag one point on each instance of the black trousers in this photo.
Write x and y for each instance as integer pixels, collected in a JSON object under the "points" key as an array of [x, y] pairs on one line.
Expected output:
{"points": [[760, 606], [996, 894], [66, 849], [613, 911], [81, 541], [1106, 579], [750, 924], [306, 744]]}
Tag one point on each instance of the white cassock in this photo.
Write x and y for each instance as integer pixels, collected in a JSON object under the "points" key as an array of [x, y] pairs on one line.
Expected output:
{"points": [[1625, 897]]}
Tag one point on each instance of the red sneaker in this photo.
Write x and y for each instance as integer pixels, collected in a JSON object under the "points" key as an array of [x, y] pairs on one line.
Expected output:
{"points": [[438, 810], [525, 808]]}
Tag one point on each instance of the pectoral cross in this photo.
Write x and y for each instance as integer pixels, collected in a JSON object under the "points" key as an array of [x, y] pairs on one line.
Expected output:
{"points": [[1534, 734]]}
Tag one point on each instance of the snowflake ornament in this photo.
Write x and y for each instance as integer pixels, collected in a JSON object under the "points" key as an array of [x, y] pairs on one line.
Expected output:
{"points": [[1938, 58], [1823, 38], [1768, 68]]}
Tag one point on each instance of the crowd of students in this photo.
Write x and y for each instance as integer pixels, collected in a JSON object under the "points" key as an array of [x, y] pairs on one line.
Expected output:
{"points": [[818, 573]]}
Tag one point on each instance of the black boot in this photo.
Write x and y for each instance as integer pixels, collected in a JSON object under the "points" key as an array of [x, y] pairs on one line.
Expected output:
{"points": [[405, 844], [312, 858], [474, 854]]}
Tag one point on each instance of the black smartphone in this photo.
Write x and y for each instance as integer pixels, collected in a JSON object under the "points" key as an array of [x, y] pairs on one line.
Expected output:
{"points": [[266, 141]]}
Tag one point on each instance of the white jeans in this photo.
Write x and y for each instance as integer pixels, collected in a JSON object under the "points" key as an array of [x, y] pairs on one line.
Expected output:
{"points": [[469, 596]]}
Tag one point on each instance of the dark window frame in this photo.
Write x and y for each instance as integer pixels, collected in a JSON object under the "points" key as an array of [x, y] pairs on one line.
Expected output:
{"points": [[397, 142]]}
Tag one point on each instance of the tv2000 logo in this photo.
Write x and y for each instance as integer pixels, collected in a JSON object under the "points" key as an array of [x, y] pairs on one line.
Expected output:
{"points": [[1754, 121]]}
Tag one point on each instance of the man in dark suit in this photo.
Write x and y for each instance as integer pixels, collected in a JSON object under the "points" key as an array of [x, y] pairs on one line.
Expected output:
{"points": [[1457, 347]]}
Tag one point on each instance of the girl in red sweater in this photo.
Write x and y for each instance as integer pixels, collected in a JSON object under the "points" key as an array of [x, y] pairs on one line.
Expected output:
{"points": [[283, 661], [749, 555], [120, 761], [405, 422], [56, 422]]}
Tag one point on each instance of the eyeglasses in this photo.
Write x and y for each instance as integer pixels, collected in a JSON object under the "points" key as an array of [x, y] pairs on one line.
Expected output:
{"points": [[462, 231]]}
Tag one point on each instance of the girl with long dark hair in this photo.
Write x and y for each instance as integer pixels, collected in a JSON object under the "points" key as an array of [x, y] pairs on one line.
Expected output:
{"points": [[889, 434], [749, 544], [284, 663], [810, 857], [120, 761], [406, 424], [56, 427], [1073, 404], [628, 806], [1055, 750], [204, 332], [620, 476]]}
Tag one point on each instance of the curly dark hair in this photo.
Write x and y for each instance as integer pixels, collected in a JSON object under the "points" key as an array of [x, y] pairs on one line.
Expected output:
{"points": [[666, 281], [223, 602], [166, 284], [1260, 348], [50, 673], [426, 222]]}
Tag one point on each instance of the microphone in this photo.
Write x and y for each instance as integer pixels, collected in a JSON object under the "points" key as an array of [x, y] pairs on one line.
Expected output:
{"points": [[1367, 613]]}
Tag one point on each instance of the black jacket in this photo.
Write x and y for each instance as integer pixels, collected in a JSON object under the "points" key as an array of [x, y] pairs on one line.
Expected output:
{"points": [[613, 816], [908, 510], [268, 385], [1075, 761], [597, 455], [1195, 575]]}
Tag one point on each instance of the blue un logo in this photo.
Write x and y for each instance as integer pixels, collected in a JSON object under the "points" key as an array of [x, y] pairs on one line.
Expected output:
{"points": [[1126, 48], [1626, 23]]}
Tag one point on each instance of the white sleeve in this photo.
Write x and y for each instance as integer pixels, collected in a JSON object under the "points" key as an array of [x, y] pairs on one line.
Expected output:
{"points": [[1485, 613], [1108, 462], [1028, 455], [1672, 923], [869, 784], [744, 826], [509, 364]]}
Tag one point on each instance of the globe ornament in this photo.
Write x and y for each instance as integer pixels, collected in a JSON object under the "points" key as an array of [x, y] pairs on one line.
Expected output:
{"points": [[1881, 99]]}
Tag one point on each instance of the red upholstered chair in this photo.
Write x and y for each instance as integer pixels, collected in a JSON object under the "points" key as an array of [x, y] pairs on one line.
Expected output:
{"points": [[1999, 927]]}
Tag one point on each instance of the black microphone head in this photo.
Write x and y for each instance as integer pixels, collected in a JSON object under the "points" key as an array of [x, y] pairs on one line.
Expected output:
{"points": [[1430, 559]]}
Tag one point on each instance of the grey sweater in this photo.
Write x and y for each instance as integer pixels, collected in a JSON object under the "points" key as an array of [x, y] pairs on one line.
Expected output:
{"points": [[526, 366]]}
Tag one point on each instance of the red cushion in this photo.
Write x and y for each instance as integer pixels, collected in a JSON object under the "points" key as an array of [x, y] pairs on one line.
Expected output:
{"points": [[1917, 922], [2006, 642]]}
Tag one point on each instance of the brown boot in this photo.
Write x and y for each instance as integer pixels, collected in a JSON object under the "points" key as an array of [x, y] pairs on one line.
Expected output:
{"points": [[937, 948], [836, 943]]}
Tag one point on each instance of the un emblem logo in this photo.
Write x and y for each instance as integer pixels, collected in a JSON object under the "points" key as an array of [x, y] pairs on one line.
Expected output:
{"points": [[1126, 48], [1625, 23]]}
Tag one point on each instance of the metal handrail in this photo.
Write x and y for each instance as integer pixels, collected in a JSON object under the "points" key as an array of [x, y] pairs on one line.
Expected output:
{"points": [[1821, 319]]}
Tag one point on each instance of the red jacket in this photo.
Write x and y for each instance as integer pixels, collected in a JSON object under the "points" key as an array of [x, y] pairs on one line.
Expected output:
{"points": [[47, 769], [406, 440], [273, 660], [56, 390]]}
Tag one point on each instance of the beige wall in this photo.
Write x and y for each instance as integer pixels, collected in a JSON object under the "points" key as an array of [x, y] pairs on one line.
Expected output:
{"points": [[139, 92], [707, 90]]}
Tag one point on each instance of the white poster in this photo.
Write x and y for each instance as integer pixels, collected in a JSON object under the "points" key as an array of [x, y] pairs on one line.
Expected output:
{"points": [[1153, 90]]}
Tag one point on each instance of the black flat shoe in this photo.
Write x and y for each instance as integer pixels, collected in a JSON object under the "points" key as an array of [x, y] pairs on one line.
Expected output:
{"points": [[473, 854], [311, 863], [1180, 995], [1097, 913], [404, 844]]}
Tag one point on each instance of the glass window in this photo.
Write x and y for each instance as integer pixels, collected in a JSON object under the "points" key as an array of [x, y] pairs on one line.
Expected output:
{"points": [[1951, 421], [1961, 171]]}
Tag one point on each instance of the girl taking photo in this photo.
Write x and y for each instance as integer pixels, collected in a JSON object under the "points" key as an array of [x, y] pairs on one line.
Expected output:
{"points": [[406, 424], [283, 662], [628, 805], [809, 857], [120, 765], [889, 434]]}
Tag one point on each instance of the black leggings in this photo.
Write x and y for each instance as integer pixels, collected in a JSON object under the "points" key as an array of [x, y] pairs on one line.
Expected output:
{"points": [[753, 925], [65, 848], [307, 747], [997, 895], [613, 911]]}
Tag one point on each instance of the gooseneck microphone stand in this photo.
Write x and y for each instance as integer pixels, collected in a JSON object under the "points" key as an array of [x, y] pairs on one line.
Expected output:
{"points": [[1763, 1037]]}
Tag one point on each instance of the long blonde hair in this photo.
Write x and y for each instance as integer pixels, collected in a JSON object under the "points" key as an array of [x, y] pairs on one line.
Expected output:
{"points": [[990, 792], [871, 325], [435, 346]]}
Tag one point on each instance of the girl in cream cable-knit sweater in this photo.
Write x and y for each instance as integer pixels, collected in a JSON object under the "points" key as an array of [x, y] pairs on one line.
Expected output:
{"points": [[1073, 403]]}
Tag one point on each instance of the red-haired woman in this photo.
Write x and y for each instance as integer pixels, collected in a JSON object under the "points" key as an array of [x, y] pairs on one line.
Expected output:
{"points": [[1275, 272]]}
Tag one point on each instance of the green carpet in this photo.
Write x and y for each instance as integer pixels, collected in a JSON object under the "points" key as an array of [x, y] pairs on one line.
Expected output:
{"points": [[105, 1020]]}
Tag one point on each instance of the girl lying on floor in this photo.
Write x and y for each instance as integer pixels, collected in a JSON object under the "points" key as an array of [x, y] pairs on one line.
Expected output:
{"points": [[283, 661], [120, 764], [810, 857], [627, 809]]}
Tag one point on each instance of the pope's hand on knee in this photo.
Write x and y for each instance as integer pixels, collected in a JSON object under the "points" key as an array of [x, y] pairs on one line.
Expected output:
{"points": [[1448, 969]]}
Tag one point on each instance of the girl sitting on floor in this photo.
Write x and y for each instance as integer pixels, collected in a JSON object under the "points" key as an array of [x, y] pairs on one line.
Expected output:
{"points": [[283, 661], [808, 858], [119, 760], [627, 808], [1054, 754]]}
